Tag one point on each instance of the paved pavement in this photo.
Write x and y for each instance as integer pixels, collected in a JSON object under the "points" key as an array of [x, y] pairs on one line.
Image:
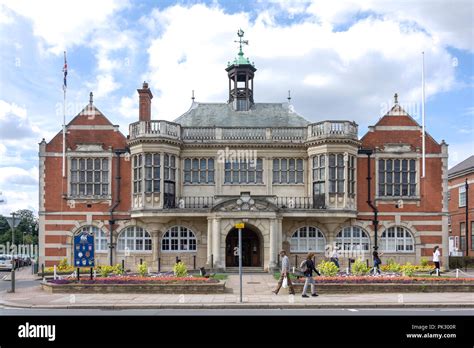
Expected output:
{"points": [[257, 294], [237, 311]]}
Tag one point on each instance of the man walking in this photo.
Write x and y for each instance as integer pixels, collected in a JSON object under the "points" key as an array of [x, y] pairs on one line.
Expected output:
{"points": [[285, 273]]}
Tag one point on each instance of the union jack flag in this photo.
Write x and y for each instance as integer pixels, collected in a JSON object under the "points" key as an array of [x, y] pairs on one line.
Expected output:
{"points": [[65, 72]]}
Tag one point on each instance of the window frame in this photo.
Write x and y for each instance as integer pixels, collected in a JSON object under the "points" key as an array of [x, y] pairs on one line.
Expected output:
{"points": [[407, 236], [169, 239], [319, 240], [208, 172], [278, 172], [341, 238], [75, 181], [462, 196], [389, 171], [238, 169], [335, 182], [145, 239]]}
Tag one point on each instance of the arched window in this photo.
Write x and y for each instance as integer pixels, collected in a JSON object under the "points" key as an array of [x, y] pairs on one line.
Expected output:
{"points": [[307, 238], [395, 239], [134, 238], [353, 238], [178, 238], [100, 239]]}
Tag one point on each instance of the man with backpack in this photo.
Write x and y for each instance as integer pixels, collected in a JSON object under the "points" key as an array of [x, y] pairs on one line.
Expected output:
{"points": [[307, 267], [285, 273]]}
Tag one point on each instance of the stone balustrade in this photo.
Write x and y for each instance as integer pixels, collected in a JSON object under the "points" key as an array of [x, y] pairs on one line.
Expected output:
{"points": [[320, 130]]}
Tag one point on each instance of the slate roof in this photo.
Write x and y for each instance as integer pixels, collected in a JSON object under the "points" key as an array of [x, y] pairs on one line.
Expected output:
{"points": [[466, 165], [259, 115]]}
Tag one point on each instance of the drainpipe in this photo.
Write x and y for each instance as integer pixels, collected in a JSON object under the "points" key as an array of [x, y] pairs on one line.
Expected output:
{"points": [[116, 197], [375, 220]]}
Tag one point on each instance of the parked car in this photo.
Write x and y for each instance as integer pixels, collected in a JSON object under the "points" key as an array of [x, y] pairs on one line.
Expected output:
{"points": [[25, 260], [6, 262]]}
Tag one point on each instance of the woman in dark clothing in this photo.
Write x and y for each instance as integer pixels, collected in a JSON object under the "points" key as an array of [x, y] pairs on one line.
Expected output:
{"points": [[377, 261], [308, 268]]}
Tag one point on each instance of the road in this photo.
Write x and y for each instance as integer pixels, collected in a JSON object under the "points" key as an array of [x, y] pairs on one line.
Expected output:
{"points": [[20, 283], [229, 312]]}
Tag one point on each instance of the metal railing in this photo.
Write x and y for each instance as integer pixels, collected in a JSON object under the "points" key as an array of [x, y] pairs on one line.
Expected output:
{"points": [[316, 202]]}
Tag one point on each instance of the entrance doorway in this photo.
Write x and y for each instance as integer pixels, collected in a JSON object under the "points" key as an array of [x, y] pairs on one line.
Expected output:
{"points": [[251, 256]]}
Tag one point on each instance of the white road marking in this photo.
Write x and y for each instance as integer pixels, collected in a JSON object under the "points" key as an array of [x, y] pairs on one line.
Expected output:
{"points": [[352, 310]]}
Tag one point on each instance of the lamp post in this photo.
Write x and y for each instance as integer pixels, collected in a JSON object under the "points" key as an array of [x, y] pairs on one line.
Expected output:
{"points": [[375, 220], [13, 223], [467, 217]]}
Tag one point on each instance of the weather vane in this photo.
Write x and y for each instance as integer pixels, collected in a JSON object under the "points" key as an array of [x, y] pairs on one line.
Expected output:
{"points": [[240, 34]]}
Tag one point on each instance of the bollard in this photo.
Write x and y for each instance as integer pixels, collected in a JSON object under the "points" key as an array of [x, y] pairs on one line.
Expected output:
{"points": [[13, 278], [42, 270], [194, 261], [78, 274], [278, 260], [123, 266], [159, 264], [92, 277], [457, 272], [296, 260], [54, 272], [141, 261], [177, 259], [367, 261], [212, 261]]}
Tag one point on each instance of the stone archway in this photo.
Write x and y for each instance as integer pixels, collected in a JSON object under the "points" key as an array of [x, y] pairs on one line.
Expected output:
{"points": [[252, 255]]}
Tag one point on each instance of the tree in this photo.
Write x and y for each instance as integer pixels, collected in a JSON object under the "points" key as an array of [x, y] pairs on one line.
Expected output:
{"points": [[27, 229]]}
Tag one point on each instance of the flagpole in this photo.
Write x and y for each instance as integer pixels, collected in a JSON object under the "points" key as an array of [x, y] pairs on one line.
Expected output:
{"points": [[423, 145], [64, 122]]}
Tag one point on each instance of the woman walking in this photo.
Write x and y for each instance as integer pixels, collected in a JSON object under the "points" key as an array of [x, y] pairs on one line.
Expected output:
{"points": [[307, 267], [436, 255]]}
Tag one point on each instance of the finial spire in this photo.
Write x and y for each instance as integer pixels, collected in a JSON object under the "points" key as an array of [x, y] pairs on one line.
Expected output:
{"points": [[91, 98], [395, 98], [289, 96], [192, 95], [240, 34]]}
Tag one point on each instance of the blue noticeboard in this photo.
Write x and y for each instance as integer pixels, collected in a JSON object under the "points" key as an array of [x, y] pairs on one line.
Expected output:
{"points": [[84, 249]]}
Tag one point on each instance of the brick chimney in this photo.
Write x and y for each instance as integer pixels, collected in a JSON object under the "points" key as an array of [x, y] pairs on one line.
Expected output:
{"points": [[144, 101]]}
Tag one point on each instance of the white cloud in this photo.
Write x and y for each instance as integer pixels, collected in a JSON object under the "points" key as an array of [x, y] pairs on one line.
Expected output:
{"points": [[18, 176], [361, 66], [14, 123], [103, 85], [458, 152], [64, 24], [128, 107]]}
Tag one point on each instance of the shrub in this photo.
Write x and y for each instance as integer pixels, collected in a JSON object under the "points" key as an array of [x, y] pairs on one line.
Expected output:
{"points": [[408, 269], [142, 269], [63, 265], [393, 266], [105, 270], [328, 268], [180, 269], [360, 267], [424, 262]]}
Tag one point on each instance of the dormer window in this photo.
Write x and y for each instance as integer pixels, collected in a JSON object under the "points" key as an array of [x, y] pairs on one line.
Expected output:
{"points": [[242, 105]]}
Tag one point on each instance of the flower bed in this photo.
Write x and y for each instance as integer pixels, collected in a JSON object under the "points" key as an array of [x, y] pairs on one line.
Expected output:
{"points": [[388, 284], [136, 284], [388, 279], [136, 280]]}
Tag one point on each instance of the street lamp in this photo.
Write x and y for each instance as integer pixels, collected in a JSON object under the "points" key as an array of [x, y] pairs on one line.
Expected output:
{"points": [[13, 224], [375, 220]]}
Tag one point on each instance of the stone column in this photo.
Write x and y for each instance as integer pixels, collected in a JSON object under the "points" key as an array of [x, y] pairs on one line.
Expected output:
{"points": [[209, 242], [155, 247], [216, 242], [273, 244]]}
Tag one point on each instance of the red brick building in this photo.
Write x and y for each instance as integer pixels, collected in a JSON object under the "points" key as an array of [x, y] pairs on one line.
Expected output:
{"points": [[457, 177], [176, 189]]}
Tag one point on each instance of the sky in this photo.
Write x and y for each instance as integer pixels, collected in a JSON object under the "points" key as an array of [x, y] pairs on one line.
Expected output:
{"points": [[341, 60]]}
